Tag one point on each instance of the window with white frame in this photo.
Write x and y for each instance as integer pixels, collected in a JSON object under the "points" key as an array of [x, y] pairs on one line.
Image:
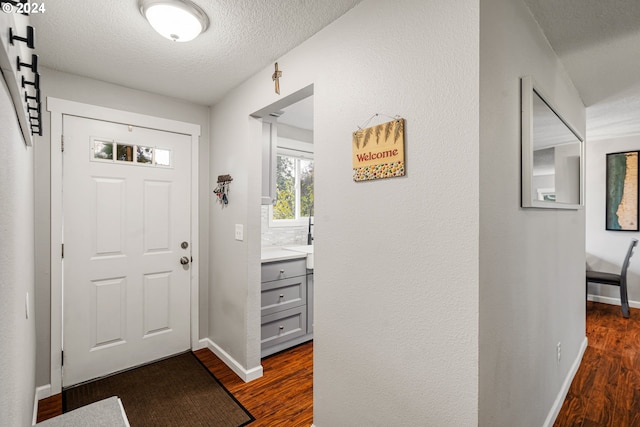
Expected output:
{"points": [[294, 188]]}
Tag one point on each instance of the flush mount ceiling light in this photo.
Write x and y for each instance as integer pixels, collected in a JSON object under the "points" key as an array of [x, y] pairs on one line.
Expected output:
{"points": [[177, 20]]}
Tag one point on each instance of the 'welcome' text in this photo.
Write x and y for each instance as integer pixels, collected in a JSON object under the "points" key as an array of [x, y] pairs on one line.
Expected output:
{"points": [[365, 157]]}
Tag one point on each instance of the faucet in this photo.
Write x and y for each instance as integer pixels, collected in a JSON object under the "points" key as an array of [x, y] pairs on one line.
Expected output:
{"points": [[309, 236]]}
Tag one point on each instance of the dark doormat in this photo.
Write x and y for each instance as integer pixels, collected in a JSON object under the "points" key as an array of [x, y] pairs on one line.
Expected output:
{"points": [[178, 391]]}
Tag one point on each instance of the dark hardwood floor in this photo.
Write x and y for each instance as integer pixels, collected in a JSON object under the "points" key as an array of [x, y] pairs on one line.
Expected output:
{"points": [[283, 396], [604, 393], [606, 388]]}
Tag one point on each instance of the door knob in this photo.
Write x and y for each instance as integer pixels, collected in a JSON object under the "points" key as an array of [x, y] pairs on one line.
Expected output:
{"points": [[184, 260]]}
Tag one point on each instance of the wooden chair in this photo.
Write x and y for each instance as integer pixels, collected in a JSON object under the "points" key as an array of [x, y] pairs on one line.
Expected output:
{"points": [[619, 280]]}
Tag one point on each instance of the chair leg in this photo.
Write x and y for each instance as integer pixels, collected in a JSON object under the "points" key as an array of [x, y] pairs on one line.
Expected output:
{"points": [[624, 299], [586, 294]]}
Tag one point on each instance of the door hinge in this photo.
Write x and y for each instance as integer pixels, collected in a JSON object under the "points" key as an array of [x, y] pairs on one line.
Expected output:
{"points": [[62, 143], [62, 358], [62, 251]]}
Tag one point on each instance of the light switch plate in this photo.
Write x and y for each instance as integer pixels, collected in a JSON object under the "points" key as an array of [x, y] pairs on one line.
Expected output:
{"points": [[239, 232]]}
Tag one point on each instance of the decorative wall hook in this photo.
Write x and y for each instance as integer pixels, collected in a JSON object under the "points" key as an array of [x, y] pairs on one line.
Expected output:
{"points": [[36, 129], [28, 98], [29, 39], [35, 83], [33, 66]]}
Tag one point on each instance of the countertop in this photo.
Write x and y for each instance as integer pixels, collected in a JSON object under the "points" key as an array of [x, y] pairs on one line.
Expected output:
{"points": [[281, 253]]}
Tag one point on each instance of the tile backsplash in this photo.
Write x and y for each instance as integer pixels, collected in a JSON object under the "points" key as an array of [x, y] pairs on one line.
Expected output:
{"points": [[281, 236]]}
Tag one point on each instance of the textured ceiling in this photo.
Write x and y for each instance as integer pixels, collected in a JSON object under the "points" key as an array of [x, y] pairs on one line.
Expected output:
{"points": [[111, 41], [598, 42]]}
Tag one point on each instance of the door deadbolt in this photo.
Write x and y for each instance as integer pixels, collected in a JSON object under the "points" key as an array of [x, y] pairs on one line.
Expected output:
{"points": [[184, 245]]}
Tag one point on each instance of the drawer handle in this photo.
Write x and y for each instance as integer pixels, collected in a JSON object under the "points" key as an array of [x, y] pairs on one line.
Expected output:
{"points": [[281, 328], [281, 296], [282, 271]]}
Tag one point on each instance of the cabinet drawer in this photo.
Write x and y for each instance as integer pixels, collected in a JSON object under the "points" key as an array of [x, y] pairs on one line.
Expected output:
{"points": [[280, 295], [283, 326], [283, 269]]}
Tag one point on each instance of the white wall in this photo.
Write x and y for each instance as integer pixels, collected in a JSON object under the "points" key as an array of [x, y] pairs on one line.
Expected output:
{"points": [[81, 89], [17, 332], [396, 326], [606, 249], [531, 260]]}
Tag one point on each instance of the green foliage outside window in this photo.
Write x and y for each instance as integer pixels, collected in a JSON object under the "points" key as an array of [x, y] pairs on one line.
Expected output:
{"points": [[306, 188], [294, 188]]}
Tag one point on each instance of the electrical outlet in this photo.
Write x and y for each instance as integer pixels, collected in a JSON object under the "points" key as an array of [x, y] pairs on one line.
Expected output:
{"points": [[559, 351], [239, 232]]}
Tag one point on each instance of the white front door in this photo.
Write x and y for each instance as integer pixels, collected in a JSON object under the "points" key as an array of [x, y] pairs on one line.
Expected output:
{"points": [[126, 227]]}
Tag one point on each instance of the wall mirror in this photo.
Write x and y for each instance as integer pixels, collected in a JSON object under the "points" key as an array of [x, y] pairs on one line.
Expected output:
{"points": [[552, 154]]}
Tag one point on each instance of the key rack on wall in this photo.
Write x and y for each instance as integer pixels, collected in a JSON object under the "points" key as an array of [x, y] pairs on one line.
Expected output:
{"points": [[222, 190], [19, 66]]}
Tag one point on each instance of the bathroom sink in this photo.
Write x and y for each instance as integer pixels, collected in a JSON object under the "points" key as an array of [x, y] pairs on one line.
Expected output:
{"points": [[307, 249]]}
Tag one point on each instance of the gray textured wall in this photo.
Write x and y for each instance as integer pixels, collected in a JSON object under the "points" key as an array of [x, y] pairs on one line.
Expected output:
{"points": [[17, 332]]}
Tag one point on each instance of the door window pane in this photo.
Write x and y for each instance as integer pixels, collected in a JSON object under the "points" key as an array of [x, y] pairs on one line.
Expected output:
{"points": [[144, 154], [163, 157], [125, 153], [103, 150]]}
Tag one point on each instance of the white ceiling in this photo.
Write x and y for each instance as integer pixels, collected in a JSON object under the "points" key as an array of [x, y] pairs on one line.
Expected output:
{"points": [[111, 41], [597, 40]]}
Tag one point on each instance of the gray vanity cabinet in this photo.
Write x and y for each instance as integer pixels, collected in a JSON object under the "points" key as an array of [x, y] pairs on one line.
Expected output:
{"points": [[284, 305], [310, 301]]}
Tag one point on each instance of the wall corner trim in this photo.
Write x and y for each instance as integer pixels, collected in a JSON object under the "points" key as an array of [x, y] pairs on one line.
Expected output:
{"points": [[245, 375], [562, 394]]}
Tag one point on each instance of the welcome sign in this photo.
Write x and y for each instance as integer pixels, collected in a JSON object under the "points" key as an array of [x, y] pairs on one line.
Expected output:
{"points": [[378, 151]]}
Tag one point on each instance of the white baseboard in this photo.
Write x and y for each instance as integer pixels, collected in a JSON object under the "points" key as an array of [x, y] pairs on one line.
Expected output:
{"points": [[245, 375], [198, 345], [611, 301], [562, 395], [42, 392]]}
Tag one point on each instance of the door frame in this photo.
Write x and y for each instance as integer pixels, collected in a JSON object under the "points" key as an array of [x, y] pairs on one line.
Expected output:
{"points": [[58, 108]]}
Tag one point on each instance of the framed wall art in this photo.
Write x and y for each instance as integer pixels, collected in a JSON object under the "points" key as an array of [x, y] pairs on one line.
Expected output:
{"points": [[622, 191]]}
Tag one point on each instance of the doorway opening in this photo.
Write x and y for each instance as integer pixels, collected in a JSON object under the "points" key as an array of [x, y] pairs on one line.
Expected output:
{"points": [[287, 222]]}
